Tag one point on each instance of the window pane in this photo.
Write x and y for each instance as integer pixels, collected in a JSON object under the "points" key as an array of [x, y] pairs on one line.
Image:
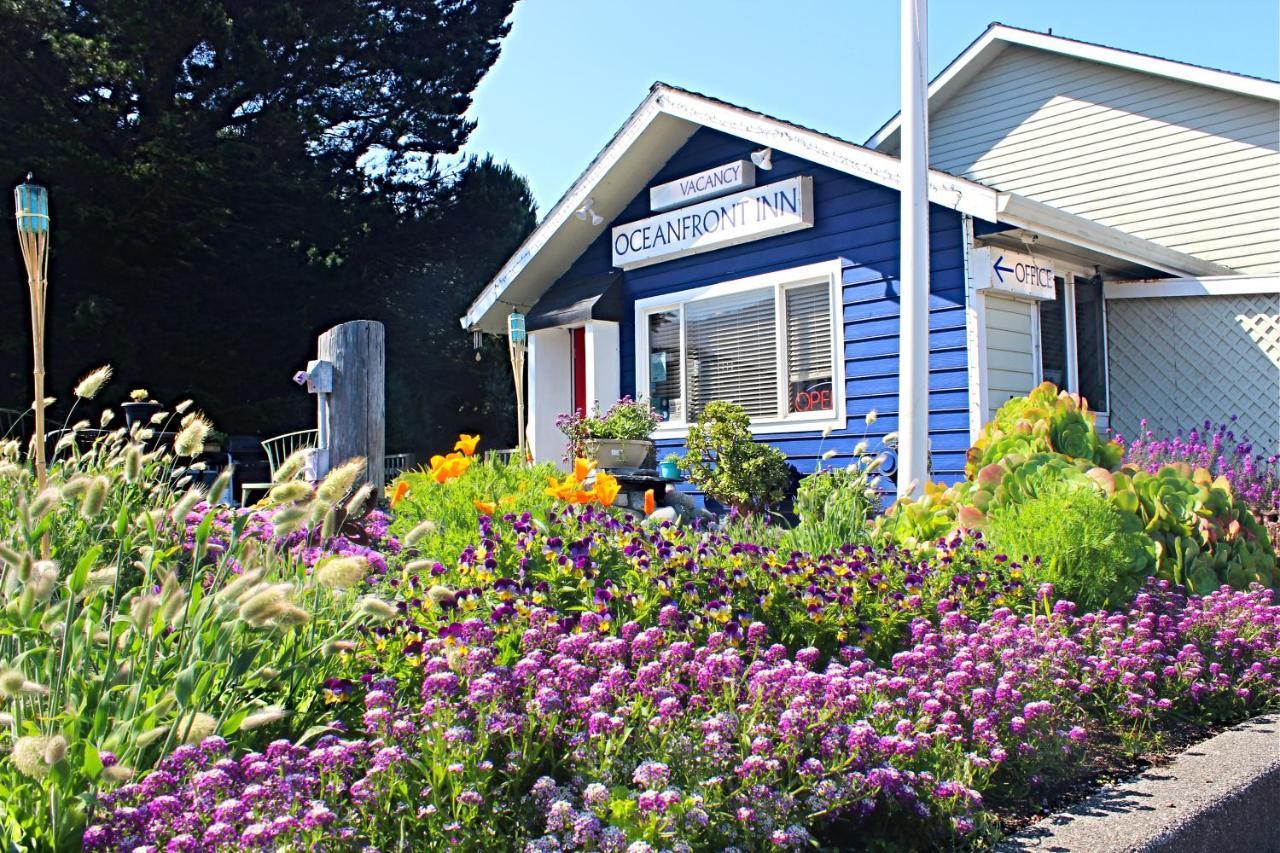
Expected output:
{"points": [[1090, 336], [732, 347], [809, 368], [664, 363], [1053, 337]]}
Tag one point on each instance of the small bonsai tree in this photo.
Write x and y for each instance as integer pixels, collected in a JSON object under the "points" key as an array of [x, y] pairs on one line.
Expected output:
{"points": [[730, 466]]}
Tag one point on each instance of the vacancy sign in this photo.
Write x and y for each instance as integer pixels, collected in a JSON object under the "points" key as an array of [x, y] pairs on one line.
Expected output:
{"points": [[1013, 273], [765, 211], [709, 183]]}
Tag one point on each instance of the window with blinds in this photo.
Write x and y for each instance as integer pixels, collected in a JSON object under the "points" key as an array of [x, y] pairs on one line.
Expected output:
{"points": [[731, 346], [809, 367], [769, 349]]}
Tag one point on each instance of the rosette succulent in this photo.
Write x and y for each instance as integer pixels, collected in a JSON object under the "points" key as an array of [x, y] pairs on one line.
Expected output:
{"points": [[1045, 421]]}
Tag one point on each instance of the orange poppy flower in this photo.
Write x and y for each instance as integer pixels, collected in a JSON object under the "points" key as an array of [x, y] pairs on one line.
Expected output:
{"points": [[486, 507], [445, 468], [606, 489], [649, 502], [467, 444], [397, 495], [563, 490], [582, 469]]}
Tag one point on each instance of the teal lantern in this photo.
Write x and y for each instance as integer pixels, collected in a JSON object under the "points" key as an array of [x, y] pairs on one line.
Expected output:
{"points": [[515, 328], [31, 207]]}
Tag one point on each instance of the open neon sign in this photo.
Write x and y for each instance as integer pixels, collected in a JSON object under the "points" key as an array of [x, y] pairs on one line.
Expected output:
{"points": [[815, 398]]}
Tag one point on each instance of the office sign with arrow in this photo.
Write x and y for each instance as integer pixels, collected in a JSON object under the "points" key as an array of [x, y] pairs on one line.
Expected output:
{"points": [[1013, 273]]}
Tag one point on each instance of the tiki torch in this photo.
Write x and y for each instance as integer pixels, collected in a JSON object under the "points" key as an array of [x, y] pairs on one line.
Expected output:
{"points": [[31, 205], [518, 340]]}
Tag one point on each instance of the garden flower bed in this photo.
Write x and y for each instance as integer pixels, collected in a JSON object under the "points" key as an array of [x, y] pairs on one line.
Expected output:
{"points": [[507, 662]]}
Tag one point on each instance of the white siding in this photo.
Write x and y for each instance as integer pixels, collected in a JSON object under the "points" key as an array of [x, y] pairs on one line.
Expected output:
{"points": [[1179, 361], [1010, 350], [1188, 167]]}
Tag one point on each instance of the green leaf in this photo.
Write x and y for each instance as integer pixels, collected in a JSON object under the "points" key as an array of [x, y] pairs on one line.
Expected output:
{"points": [[184, 685], [92, 764], [232, 723], [81, 573]]}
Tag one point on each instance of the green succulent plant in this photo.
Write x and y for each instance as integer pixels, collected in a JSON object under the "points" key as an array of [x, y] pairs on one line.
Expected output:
{"points": [[1045, 421], [1041, 449]]}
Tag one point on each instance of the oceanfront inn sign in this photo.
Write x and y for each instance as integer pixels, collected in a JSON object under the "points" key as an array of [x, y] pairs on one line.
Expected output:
{"points": [[766, 211]]}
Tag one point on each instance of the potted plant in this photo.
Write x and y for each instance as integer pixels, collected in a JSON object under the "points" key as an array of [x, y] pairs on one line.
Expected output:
{"points": [[670, 467], [617, 439], [140, 408]]}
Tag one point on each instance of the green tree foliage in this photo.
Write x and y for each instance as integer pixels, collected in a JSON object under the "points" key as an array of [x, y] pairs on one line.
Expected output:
{"points": [[230, 177]]}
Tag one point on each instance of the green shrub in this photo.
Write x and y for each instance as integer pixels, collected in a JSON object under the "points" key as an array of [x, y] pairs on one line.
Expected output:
{"points": [[447, 514], [1042, 447], [729, 465], [1069, 534]]}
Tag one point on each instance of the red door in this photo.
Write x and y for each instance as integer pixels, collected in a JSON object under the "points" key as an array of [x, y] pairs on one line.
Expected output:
{"points": [[578, 360]]}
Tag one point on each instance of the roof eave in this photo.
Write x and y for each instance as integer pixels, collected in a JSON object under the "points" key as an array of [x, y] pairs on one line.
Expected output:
{"points": [[1022, 212]]}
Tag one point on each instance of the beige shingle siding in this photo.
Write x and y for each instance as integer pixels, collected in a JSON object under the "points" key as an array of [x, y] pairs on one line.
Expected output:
{"points": [[1010, 370], [1189, 167]]}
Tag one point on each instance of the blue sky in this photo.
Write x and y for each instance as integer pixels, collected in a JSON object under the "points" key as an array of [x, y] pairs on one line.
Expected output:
{"points": [[572, 70]]}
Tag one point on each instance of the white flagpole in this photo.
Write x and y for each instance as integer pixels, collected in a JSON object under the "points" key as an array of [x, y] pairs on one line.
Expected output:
{"points": [[913, 364]]}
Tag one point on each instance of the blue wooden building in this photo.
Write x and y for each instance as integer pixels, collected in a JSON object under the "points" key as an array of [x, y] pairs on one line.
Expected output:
{"points": [[711, 252]]}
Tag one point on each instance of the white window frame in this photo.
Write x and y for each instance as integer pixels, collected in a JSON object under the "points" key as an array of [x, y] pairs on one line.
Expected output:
{"points": [[1069, 273], [829, 272]]}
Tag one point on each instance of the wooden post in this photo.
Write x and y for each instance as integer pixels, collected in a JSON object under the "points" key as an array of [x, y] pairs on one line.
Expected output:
{"points": [[357, 406]]}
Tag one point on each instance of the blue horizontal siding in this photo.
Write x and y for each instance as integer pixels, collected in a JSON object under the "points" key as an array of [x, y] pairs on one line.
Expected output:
{"points": [[855, 220]]}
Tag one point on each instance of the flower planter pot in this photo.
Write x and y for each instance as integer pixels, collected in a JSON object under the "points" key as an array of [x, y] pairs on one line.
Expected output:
{"points": [[618, 452], [139, 412], [669, 470]]}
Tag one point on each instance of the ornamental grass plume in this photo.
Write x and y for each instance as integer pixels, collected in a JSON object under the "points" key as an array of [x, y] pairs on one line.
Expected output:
{"points": [[95, 496], [28, 756], [292, 466], [291, 492], [88, 387], [190, 439], [371, 605], [342, 572], [195, 727], [263, 717], [338, 482]]}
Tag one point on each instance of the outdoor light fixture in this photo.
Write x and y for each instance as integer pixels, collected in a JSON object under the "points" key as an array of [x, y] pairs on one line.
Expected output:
{"points": [[517, 341], [588, 210], [31, 212], [763, 158]]}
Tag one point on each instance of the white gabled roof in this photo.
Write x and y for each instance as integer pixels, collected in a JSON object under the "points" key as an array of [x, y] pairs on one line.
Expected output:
{"points": [[998, 36], [666, 119]]}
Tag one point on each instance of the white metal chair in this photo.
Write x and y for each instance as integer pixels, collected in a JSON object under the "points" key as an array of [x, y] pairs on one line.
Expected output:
{"points": [[395, 464], [278, 448]]}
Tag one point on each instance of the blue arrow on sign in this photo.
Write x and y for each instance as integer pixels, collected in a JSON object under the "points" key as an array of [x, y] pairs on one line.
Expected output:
{"points": [[999, 268]]}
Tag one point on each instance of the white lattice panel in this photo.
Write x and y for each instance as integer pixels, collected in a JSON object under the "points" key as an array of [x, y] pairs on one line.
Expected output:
{"points": [[1180, 360]]}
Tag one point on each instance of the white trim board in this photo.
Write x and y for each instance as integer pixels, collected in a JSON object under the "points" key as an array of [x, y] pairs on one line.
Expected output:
{"points": [[1240, 285], [998, 36], [831, 271]]}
